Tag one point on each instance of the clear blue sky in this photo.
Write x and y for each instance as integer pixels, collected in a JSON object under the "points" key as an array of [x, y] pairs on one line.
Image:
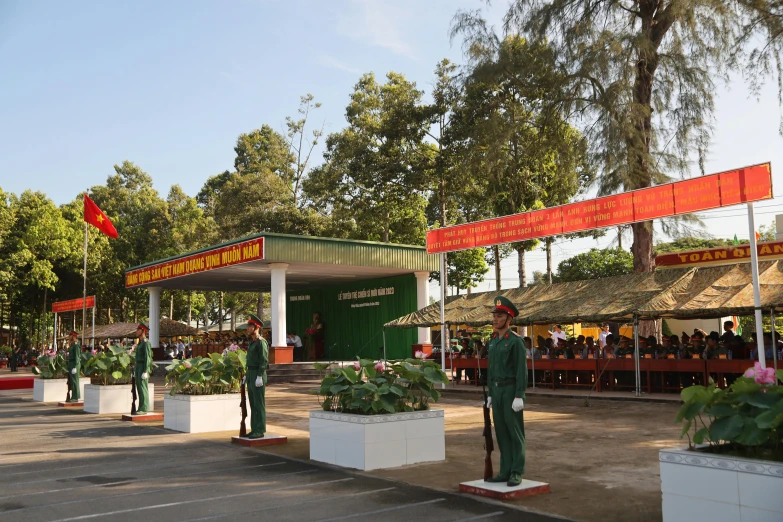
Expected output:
{"points": [[170, 86]]}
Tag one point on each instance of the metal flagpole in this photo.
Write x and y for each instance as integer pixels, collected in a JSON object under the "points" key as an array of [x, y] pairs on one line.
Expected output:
{"points": [[774, 340], [84, 294], [636, 355], [54, 337], [754, 269], [533, 355], [444, 337], [93, 324]]}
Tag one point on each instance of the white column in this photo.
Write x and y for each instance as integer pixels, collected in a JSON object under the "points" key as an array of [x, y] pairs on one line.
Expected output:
{"points": [[422, 300], [278, 303], [154, 325]]}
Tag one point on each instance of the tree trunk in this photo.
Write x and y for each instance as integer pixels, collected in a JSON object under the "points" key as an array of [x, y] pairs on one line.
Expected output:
{"points": [[642, 247], [521, 267], [496, 250], [260, 306], [108, 316], [45, 328], [122, 310], [620, 238], [233, 320], [171, 306], [220, 314], [190, 309], [548, 242]]}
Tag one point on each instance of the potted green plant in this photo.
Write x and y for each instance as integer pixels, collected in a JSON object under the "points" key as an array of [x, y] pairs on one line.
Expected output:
{"points": [[733, 464], [369, 406], [111, 370], [204, 393], [52, 382]]}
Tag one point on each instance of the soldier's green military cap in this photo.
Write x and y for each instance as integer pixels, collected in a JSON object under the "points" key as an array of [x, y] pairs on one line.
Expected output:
{"points": [[504, 305], [255, 320], [142, 326]]}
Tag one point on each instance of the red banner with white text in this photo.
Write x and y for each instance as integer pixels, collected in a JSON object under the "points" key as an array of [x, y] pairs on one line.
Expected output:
{"points": [[733, 187]]}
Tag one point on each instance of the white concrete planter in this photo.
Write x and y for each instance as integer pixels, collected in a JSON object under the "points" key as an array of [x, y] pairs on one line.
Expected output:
{"points": [[54, 390], [112, 399], [700, 486], [203, 413], [377, 441]]}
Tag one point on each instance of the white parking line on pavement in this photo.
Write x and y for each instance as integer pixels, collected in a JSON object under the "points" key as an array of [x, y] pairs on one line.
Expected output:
{"points": [[134, 481], [172, 504], [384, 510], [296, 503]]}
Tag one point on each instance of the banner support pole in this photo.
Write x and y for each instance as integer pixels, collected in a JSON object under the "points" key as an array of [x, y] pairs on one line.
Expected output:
{"points": [[444, 336], [754, 270], [84, 294]]}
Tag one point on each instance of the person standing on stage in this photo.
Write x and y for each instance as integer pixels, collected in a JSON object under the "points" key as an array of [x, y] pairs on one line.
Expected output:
{"points": [[143, 368], [507, 378], [74, 365], [257, 362]]}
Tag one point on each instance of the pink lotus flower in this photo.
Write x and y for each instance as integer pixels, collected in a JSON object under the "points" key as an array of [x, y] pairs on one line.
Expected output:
{"points": [[187, 365], [379, 366], [421, 355], [761, 375], [93, 351], [357, 366]]}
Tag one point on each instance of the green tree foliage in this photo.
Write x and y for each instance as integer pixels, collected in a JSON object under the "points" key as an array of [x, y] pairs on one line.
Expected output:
{"points": [[641, 77], [373, 176], [692, 243], [467, 268], [594, 264], [264, 149], [527, 154]]}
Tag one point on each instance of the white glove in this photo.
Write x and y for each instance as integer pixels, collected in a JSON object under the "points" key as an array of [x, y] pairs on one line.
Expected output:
{"points": [[73, 372], [259, 382], [489, 402], [244, 378], [145, 376], [518, 404]]}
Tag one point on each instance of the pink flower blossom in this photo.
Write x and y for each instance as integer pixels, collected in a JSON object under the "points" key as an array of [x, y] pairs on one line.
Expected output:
{"points": [[187, 365], [379, 366], [93, 351], [761, 375], [357, 366], [421, 355]]}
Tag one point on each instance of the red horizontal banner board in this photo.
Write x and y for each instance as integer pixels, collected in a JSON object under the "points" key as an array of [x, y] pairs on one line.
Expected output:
{"points": [[72, 304], [235, 254], [681, 197], [720, 256]]}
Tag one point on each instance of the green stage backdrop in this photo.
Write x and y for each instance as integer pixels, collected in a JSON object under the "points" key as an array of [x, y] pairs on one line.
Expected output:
{"points": [[354, 315]]}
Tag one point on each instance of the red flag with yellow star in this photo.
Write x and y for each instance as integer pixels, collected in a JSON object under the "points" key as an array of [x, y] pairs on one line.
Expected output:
{"points": [[95, 217]]}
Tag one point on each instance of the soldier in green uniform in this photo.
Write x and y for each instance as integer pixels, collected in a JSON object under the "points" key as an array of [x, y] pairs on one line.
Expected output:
{"points": [[142, 369], [507, 378], [74, 365], [257, 361]]}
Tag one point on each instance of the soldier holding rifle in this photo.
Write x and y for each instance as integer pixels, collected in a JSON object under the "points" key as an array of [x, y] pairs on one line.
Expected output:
{"points": [[507, 378], [142, 369], [74, 365], [257, 362]]}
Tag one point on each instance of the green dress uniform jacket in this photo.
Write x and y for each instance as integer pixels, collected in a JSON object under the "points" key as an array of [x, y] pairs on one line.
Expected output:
{"points": [[257, 362], [507, 379], [143, 364], [75, 361]]}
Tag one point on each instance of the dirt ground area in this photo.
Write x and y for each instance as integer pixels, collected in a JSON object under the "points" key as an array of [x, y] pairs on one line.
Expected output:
{"points": [[601, 461]]}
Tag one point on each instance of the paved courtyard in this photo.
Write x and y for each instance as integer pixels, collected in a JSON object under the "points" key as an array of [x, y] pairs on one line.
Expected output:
{"points": [[60, 465], [601, 462]]}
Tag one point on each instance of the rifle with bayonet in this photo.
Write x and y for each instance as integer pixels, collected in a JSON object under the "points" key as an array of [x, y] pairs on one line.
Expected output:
{"points": [[68, 393], [489, 445], [133, 394], [243, 407]]}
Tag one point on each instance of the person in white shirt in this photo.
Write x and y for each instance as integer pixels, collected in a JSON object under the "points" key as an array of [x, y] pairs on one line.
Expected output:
{"points": [[180, 349], [558, 336], [298, 346], [602, 337]]}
